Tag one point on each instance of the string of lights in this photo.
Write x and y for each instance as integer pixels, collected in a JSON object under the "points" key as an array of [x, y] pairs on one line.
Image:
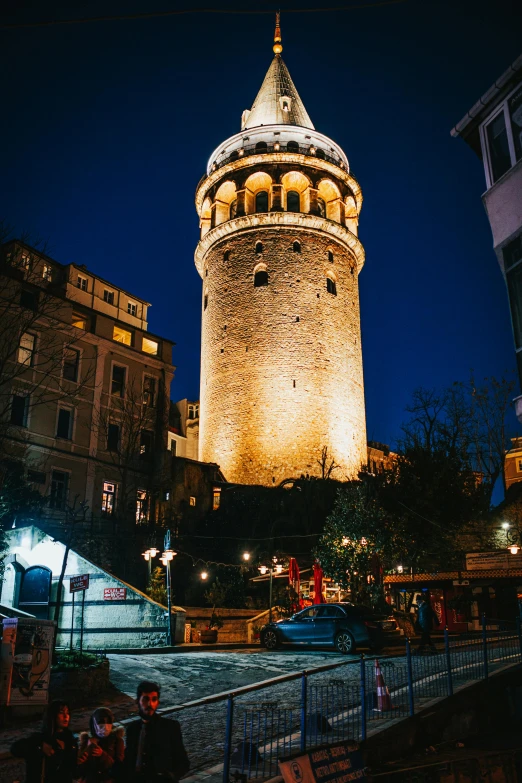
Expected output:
{"points": [[185, 11]]}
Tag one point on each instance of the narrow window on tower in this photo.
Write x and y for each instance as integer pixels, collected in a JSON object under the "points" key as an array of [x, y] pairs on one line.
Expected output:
{"points": [[233, 209], [293, 202], [259, 247], [262, 201], [330, 256], [331, 286], [226, 255], [292, 146], [321, 207], [205, 302], [260, 276], [297, 247]]}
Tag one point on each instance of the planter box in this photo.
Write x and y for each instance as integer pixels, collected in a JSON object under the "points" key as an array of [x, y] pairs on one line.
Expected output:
{"points": [[209, 637]]}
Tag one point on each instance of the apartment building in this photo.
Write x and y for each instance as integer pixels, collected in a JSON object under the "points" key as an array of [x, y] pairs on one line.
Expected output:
{"points": [[84, 389]]}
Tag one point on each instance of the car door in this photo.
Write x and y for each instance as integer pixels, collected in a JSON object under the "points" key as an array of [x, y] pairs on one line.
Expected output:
{"points": [[302, 629], [325, 624]]}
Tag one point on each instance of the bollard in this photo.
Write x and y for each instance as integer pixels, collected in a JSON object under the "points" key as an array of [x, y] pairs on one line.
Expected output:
{"points": [[410, 678], [448, 661], [485, 646], [304, 696], [363, 698], [228, 738], [519, 632]]}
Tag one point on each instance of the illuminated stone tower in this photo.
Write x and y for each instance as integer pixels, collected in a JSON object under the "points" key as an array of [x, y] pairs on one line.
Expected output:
{"points": [[281, 361]]}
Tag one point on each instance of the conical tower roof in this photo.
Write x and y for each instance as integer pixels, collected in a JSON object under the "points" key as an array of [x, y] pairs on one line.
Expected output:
{"points": [[270, 106]]}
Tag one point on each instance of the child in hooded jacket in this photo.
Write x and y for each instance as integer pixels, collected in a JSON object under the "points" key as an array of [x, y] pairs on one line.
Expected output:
{"points": [[101, 751]]}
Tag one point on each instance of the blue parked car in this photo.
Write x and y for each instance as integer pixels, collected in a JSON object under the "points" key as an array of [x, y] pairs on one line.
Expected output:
{"points": [[343, 626]]}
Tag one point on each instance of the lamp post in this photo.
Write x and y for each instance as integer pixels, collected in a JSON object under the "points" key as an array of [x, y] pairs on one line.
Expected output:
{"points": [[513, 538], [148, 555], [166, 558], [275, 568]]}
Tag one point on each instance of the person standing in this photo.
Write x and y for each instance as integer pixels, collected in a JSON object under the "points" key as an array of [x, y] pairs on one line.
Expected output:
{"points": [[50, 755], [426, 619], [101, 753], [154, 750]]}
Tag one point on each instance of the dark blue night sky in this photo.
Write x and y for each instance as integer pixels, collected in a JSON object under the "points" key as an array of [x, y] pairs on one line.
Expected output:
{"points": [[107, 127]]}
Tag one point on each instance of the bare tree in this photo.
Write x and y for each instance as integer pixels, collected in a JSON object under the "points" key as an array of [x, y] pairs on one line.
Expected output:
{"points": [[327, 464], [37, 337]]}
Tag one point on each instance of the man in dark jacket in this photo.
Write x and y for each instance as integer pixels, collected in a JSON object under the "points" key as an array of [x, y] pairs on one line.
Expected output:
{"points": [[154, 750], [426, 619]]}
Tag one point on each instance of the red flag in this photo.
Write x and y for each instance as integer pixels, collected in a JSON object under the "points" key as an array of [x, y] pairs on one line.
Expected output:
{"points": [[318, 584]]}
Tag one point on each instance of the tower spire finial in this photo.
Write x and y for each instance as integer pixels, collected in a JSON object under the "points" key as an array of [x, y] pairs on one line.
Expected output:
{"points": [[277, 35]]}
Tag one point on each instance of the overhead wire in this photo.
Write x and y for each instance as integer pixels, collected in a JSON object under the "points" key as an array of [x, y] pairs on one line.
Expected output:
{"points": [[186, 11]]}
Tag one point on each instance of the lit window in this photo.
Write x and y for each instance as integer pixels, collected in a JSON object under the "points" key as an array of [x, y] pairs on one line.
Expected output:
{"points": [[149, 391], [131, 308], [71, 363], [149, 346], [142, 506], [108, 296], [59, 487], [108, 498], [121, 335], [79, 321], [47, 272], [216, 499], [192, 501], [118, 381], [519, 465], [81, 283], [19, 410], [64, 424], [26, 262], [26, 349]]}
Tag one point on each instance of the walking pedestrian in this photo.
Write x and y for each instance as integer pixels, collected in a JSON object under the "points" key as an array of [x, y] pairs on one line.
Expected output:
{"points": [[155, 750], [101, 753], [426, 619], [50, 755]]}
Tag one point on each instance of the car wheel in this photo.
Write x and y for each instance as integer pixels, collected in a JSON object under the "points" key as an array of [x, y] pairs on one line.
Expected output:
{"points": [[345, 643], [270, 640]]}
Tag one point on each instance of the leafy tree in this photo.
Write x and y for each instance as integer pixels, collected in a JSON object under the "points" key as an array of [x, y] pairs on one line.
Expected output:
{"points": [[156, 588], [228, 589], [19, 503]]}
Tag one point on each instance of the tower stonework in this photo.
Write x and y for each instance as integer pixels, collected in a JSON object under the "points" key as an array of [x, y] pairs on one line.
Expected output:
{"points": [[281, 360]]}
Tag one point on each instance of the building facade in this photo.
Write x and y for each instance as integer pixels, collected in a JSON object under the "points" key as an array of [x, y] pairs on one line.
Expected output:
{"points": [[84, 389], [493, 129], [279, 257]]}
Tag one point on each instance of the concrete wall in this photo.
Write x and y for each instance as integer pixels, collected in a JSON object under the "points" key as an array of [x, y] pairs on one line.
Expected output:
{"points": [[133, 621], [235, 621]]}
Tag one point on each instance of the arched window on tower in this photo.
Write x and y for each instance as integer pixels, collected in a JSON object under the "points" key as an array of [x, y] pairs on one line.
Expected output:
{"points": [[259, 247], [226, 255], [233, 209], [292, 146], [260, 276], [321, 206], [331, 286], [330, 255], [261, 147], [262, 201], [293, 201], [297, 247], [319, 153]]}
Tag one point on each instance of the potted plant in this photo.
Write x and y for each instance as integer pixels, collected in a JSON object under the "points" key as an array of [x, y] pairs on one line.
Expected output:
{"points": [[210, 634]]}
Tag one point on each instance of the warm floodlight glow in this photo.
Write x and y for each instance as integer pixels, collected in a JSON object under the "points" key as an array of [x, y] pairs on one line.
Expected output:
{"points": [[169, 555], [506, 525], [263, 570], [345, 541], [153, 551], [279, 568], [204, 575], [514, 549], [400, 569], [246, 555], [146, 555]]}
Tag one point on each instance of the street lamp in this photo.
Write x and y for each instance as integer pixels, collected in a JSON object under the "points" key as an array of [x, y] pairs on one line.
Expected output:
{"points": [[275, 568], [148, 555], [400, 569], [246, 556], [204, 575], [513, 538], [166, 558]]}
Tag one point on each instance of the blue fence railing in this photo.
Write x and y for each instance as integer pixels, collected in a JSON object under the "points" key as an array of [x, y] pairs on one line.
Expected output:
{"points": [[337, 701]]}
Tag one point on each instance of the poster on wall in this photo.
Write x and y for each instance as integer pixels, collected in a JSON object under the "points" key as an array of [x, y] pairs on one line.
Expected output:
{"points": [[339, 763], [26, 655]]}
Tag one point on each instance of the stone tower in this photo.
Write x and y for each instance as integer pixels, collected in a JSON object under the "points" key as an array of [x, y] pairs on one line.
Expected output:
{"points": [[281, 361]]}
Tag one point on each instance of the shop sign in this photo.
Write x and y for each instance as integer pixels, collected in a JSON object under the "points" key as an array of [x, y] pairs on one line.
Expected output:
{"points": [[485, 561], [114, 593], [79, 583], [339, 763]]}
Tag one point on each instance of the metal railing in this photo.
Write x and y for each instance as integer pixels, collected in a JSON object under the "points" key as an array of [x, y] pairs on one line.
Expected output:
{"points": [[334, 702]]}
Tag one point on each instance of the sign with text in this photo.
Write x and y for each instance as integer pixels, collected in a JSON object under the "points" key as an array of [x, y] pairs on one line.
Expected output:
{"points": [[79, 583], [484, 561], [114, 593], [338, 763]]}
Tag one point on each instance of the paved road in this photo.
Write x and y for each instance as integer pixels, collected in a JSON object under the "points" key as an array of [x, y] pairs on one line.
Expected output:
{"points": [[188, 676]]}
